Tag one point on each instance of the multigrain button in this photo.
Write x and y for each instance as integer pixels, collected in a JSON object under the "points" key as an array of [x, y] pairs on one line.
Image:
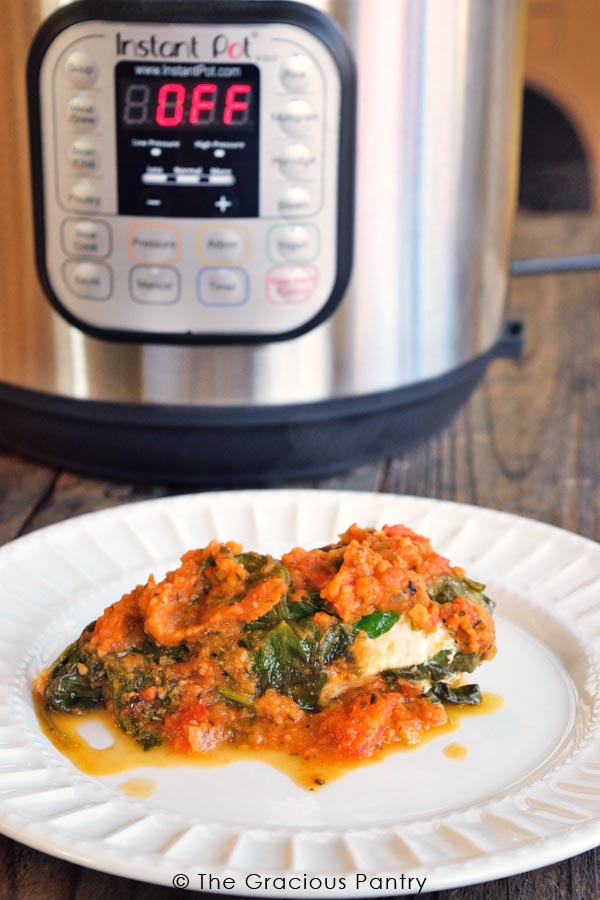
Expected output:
{"points": [[223, 245], [297, 118], [154, 243], [297, 162], [293, 243], [82, 113], [295, 203], [81, 68], [222, 287], [156, 285], [84, 196], [84, 156], [88, 280], [297, 74], [85, 237]]}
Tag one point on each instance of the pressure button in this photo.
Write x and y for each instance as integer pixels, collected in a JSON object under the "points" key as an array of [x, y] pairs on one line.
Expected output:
{"points": [[81, 68], [297, 74]]}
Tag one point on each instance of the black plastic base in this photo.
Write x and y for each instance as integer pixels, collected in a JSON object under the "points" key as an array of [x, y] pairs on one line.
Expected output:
{"points": [[237, 445]]}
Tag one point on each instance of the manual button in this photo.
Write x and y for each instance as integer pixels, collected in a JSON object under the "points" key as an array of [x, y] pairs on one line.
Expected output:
{"points": [[222, 287], [154, 243], [88, 280], [158, 285]]}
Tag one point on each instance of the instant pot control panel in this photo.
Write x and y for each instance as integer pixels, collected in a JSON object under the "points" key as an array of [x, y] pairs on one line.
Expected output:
{"points": [[192, 179]]}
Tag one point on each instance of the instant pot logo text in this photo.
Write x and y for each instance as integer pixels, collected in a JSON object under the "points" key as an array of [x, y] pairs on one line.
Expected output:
{"points": [[153, 47]]}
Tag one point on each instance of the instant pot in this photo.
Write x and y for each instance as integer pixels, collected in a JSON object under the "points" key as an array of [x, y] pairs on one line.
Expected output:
{"points": [[269, 239]]}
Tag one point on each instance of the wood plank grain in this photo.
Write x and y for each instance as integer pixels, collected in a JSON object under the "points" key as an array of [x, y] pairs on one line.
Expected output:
{"points": [[23, 487]]}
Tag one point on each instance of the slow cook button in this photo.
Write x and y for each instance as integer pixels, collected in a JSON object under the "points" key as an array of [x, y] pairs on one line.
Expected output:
{"points": [[297, 162], [298, 118], [296, 243], [295, 203], [222, 287], [88, 280], [81, 68], [84, 156], [291, 284], [222, 245], [84, 237], [82, 113], [158, 285], [297, 74], [154, 243]]}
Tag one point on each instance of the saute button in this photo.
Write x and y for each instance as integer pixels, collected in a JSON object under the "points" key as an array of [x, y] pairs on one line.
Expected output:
{"points": [[158, 244], [297, 161], [296, 202], [222, 287], [82, 113], [291, 284], [297, 73], [81, 68], [84, 237], [89, 280], [84, 196], [297, 243], [154, 284], [222, 245], [84, 156], [298, 118]]}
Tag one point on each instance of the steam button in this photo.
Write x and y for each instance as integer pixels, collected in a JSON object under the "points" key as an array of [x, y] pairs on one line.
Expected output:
{"points": [[296, 202], [88, 280], [297, 74], [82, 113], [81, 68]]}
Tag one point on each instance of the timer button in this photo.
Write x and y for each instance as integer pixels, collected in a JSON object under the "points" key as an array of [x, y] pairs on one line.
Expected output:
{"points": [[81, 68], [84, 156], [298, 118], [154, 243], [88, 280], [295, 203], [82, 113], [84, 196], [157, 285], [222, 287], [85, 237], [296, 243], [297, 162], [222, 245], [297, 74], [288, 285]]}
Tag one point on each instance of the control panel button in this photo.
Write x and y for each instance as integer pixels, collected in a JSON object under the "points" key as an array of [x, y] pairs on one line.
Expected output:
{"points": [[296, 243], [298, 118], [297, 162], [85, 237], [154, 243], [297, 74], [222, 287], [223, 245], [84, 156], [82, 113], [158, 285], [81, 68], [291, 284], [295, 203], [84, 196], [89, 280]]}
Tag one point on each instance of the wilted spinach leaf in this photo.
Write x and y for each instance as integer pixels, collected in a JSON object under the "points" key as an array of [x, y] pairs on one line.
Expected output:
{"points": [[377, 623], [466, 695], [67, 689]]}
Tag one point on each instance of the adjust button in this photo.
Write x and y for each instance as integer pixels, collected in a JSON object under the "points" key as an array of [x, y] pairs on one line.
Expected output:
{"points": [[81, 68], [297, 73], [294, 243], [222, 287], [85, 237], [88, 280], [158, 285], [154, 243], [290, 284], [222, 245], [82, 113]]}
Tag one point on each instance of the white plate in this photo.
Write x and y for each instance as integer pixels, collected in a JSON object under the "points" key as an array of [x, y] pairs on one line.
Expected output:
{"points": [[527, 795]]}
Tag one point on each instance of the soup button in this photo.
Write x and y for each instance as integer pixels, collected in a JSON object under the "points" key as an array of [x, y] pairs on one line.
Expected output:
{"points": [[222, 287]]}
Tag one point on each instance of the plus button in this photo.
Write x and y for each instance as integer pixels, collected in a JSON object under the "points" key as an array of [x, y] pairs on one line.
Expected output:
{"points": [[223, 203]]}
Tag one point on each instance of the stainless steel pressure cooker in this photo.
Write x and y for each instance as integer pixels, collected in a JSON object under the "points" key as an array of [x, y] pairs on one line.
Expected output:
{"points": [[248, 240]]}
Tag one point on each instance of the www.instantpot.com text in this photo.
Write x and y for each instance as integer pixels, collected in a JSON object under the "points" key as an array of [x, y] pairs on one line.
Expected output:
{"points": [[359, 881]]}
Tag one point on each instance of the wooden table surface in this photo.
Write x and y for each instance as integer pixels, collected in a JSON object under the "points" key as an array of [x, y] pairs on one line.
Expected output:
{"points": [[527, 442]]}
